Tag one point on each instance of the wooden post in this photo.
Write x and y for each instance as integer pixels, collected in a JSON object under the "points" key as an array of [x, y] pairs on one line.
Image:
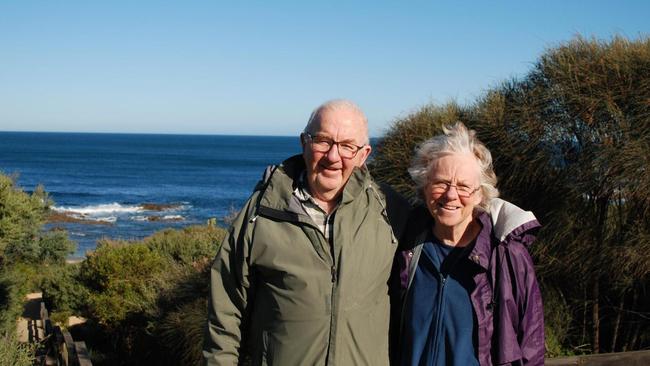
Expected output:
{"points": [[45, 320], [68, 352], [83, 358], [68, 348]]}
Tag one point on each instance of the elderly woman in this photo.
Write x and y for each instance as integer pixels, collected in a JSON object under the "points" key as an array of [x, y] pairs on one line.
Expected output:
{"points": [[470, 296]]}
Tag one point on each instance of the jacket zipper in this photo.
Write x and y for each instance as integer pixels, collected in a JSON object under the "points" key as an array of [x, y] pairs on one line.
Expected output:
{"points": [[333, 271], [330, 345], [441, 313], [417, 252]]}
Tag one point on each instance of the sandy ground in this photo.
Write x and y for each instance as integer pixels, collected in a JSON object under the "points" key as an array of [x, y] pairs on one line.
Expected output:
{"points": [[29, 327]]}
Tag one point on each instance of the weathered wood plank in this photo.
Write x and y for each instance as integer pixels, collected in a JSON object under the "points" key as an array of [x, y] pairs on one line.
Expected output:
{"points": [[83, 358], [634, 358]]}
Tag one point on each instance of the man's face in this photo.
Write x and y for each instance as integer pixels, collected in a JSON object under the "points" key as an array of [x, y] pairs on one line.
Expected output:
{"points": [[327, 172]]}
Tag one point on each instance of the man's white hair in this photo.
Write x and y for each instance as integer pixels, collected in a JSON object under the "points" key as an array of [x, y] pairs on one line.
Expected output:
{"points": [[337, 105]]}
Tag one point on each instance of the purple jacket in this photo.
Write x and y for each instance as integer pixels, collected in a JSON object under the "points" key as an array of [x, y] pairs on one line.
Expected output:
{"points": [[511, 323]]}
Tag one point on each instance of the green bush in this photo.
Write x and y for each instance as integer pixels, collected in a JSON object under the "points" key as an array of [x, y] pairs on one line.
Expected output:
{"points": [[188, 245], [557, 323], [392, 155], [55, 246], [21, 218], [15, 283], [135, 290], [181, 332], [15, 353], [571, 141], [122, 279], [62, 291]]}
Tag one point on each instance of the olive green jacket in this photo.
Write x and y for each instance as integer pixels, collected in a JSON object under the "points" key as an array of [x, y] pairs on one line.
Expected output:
{"points": [[282, 295]]}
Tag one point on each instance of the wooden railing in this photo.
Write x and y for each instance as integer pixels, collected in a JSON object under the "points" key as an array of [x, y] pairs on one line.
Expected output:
{"points": [[60, 348], [634, 358]]}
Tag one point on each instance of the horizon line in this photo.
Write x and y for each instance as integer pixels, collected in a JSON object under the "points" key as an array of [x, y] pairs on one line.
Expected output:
{"points": [[146, 133], [157, 133]]}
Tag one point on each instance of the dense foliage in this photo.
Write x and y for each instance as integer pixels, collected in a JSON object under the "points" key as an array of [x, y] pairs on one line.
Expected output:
{"points": [[146, 301], [15, 353], [392, 157], [16, 282], [23, 245], [570, 141], [21, 219]]}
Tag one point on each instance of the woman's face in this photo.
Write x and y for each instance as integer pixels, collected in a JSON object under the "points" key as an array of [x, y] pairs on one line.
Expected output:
{"points": [[453, 190]]}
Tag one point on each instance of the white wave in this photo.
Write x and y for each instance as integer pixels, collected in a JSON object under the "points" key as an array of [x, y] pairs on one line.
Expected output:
{"points": [[106, 219], [157, 218], [182, 207], [99, 210], [173, 217]]}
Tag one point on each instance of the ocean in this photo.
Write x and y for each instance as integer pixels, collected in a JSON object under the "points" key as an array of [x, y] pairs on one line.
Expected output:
{"points": [[127, 186]]}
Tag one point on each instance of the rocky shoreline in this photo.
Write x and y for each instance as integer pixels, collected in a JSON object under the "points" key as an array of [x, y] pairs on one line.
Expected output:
{"points": [[54, 216]]}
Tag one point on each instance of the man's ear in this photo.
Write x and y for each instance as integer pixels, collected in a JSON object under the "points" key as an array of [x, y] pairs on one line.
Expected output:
{"points": [[366, 150], [303, 140]]}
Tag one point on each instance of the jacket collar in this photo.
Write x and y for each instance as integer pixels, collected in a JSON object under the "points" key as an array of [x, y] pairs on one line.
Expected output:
{"points": [[421, 223], [482, 250], [278, 195]]}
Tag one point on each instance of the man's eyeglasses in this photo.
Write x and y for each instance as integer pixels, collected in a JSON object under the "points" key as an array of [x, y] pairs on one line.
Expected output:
{"points": [[462, 190], [347, 150]]}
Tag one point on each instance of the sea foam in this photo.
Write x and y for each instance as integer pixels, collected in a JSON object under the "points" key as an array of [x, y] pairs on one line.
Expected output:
{"points": [[101, 209]]}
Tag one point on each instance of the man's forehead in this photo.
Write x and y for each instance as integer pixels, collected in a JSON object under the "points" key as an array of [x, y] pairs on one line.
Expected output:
{"points": [[346, 124]]}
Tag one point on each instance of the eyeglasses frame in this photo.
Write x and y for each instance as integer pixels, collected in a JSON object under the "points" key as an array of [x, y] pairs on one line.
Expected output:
{"points": [[332, 143], [458, 192]]}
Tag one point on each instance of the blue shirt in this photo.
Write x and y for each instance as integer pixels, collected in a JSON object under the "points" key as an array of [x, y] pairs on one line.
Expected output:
{"points": [[439, 320]]}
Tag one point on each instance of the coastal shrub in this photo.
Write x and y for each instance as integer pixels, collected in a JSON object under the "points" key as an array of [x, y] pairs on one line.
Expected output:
{"points": [[182, 307], [571, 141], [181, 332], [62, 290], [14, 353], [187, 245], [182, 314], [137, 289], [16, 281], [392, 156], [21, 218], [122, 280], [557, 324], [55, 246]]}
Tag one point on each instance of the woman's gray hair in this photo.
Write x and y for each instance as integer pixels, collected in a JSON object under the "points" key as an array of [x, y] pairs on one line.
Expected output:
{"points": [[455, 139]]}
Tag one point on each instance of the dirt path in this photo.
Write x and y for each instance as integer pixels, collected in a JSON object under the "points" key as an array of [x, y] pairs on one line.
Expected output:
{"points": [[28, 326]]}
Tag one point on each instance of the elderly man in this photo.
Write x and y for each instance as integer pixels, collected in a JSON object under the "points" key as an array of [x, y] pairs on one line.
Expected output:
{"points": [[301, 279]]}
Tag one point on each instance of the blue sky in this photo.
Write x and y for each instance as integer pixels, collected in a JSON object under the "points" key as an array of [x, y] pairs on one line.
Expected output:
{"points": [[260, 67]]}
